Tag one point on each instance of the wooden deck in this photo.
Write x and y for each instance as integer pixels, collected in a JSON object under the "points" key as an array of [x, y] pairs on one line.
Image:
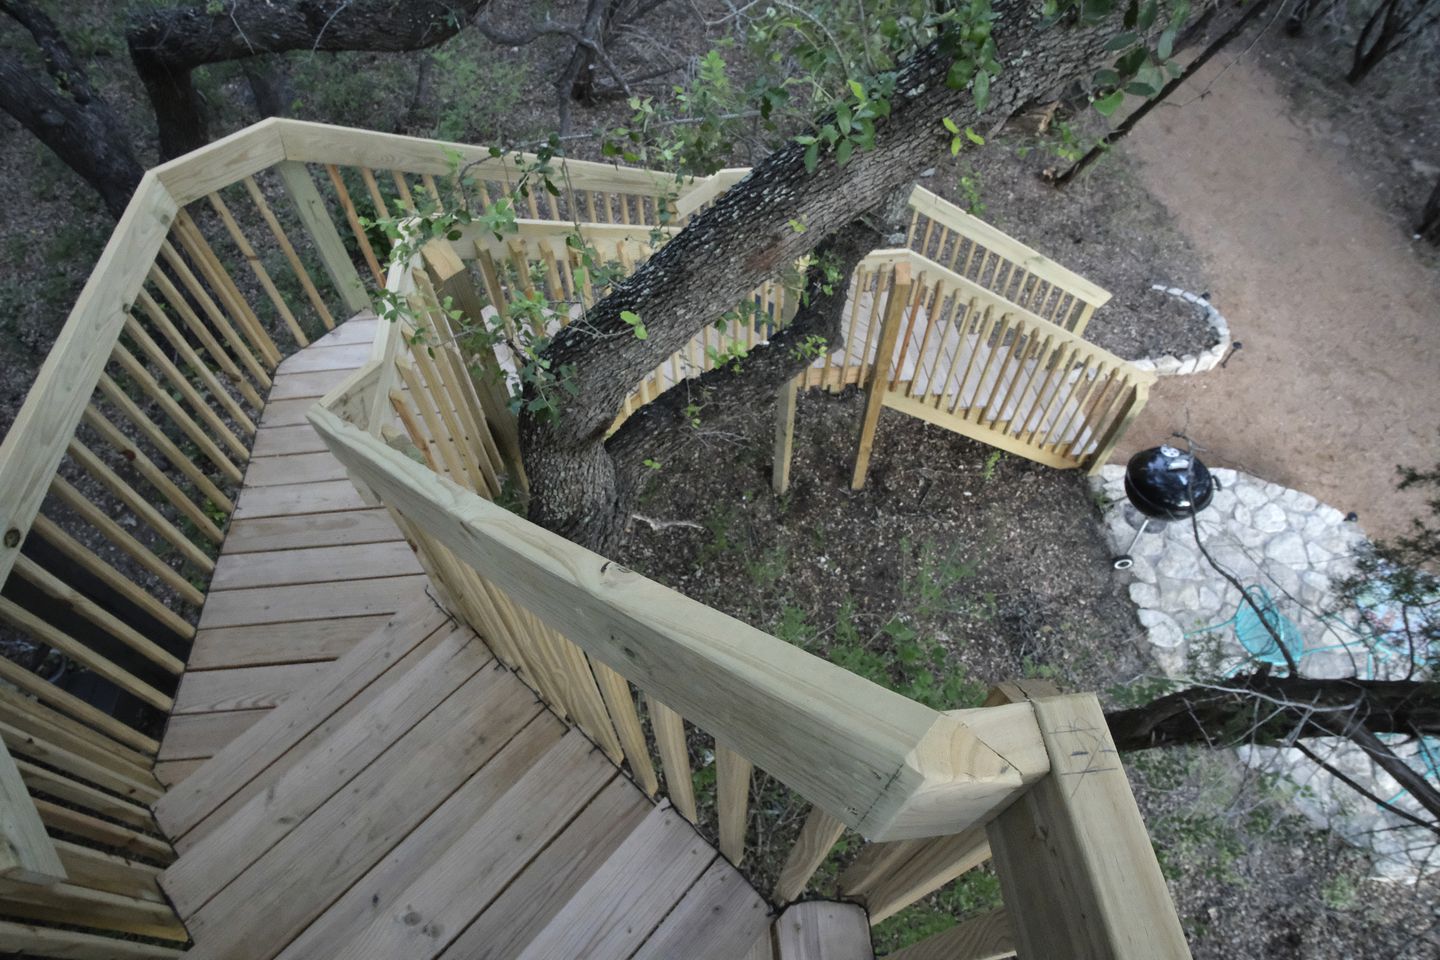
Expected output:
{"points": [[268, 625], [354, 775], [418, 801]]}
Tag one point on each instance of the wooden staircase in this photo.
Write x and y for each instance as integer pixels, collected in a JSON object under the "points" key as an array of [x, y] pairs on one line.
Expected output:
{"points": [[418, 801]]}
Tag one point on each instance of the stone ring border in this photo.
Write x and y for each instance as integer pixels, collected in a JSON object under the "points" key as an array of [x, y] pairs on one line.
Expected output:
{"points": [[1168, 365]]}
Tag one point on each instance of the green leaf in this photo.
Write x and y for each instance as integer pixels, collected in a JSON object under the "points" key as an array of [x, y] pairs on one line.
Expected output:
{"points": [[857, 89], [1166, 45], [981, 90], [843, 151], [1121, 41], [1147, 15], [844, 118], [1108, 104], [974, 137], [812, 157], [951, 125]]}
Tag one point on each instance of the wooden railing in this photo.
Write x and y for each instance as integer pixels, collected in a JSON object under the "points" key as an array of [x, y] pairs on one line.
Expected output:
{"points": [[123, 467], [650, 675]]}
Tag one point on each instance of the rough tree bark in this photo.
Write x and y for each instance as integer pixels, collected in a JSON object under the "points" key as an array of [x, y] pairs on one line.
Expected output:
{"points": [[746, 238], [65, 112], [1429, 226], [167, 45], [1392, 25], [1265, 709]]}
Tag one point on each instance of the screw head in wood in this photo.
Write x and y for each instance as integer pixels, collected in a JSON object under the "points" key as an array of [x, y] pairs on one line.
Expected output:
{"points": [[12, 537]]}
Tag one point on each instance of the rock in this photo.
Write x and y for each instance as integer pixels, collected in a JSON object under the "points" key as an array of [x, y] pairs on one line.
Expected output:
{"points": [[1208, 602], [1250, 537], [1226, 476], [1161, 629], [1285, 581], [1317, 554], [1187, 366], [1241, 516], [1167, 366], [1270, 518], [1330, 515], [1143, 570], [1223, 502], [1186, 598], [1427, 170], [1170, 660], [1144, 594], [1288, 548], [1250, 494], [1179, 564]]}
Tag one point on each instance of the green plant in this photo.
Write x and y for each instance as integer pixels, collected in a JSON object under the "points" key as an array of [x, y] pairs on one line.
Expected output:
{"points": [[987, 473]]}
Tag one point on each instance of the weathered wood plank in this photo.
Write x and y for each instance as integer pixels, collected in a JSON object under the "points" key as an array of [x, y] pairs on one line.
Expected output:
{"points": [[293, 499], [276, 643], [822, 930], [544, 887], [1076, 866], [244, 688], [200, 735], [310, 530], [618, 907], [353, 598], [246, 835], [333, 847], [295, 468], [264, 752], [718, 919], [314, 565], [496, 845], [404, 881]]}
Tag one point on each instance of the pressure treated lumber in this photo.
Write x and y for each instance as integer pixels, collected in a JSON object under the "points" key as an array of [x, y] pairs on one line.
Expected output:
{"points": [[1076, 866], [27, 854], [986, 937], [821, 930], [888, 766]]}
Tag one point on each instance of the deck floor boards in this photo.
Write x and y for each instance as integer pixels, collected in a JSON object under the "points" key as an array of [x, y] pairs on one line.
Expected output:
{"points": [[352, 774], [298, 521]]}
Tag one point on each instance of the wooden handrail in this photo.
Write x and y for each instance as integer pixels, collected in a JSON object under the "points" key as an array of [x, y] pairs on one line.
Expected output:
{"points": [[881, 763]]}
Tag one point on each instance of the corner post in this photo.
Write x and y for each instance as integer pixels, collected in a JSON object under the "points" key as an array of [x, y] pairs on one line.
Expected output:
{"points": [[880, 370]]}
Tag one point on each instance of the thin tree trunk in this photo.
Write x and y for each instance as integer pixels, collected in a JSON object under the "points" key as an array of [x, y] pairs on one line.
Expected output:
{"points": [[1429, 226], [167, 46]]}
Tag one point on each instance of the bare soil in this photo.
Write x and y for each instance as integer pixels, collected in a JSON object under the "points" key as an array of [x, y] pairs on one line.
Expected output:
{"points": [[1336, 383]]}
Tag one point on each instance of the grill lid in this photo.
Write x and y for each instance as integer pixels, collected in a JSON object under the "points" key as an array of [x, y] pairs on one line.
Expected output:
{"points": [[1167, 483]]}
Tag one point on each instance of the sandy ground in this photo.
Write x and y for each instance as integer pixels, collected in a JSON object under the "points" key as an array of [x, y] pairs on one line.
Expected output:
{"points": [[1339, 377]]}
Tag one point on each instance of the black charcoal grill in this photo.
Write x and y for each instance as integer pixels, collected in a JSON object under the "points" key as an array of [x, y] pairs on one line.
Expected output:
{"points": [[1164, 484]]}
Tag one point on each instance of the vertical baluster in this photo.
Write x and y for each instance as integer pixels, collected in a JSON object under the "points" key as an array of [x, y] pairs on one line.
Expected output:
{"points": [[732, 801], [669, 731]]}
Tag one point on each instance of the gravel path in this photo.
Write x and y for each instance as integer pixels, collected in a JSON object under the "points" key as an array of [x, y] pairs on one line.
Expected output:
{"points": [[1336, 382]]}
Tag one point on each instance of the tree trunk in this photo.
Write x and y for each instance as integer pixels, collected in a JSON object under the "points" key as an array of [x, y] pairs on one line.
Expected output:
{"points": [[745, 238], [269, 81], [65, 113], [167, 45], [1429, 226], [1292, 707]]}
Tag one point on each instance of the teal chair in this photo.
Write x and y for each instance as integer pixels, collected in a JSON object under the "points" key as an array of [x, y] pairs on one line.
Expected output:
{"points": [[1257, 632]]}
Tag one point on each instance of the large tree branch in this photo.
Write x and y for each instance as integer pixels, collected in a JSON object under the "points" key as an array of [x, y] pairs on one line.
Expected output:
{"points": [[167, 45], [1280, 711], [665, 424], [747, 237], [65, 113]]}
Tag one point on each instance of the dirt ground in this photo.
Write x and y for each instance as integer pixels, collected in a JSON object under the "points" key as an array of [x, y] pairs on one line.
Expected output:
{"points": [[1336, 382]]}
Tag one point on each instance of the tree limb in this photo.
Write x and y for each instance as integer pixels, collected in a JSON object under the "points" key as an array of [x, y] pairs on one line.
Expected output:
{"points": [[65, 113], [167, 45]]}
